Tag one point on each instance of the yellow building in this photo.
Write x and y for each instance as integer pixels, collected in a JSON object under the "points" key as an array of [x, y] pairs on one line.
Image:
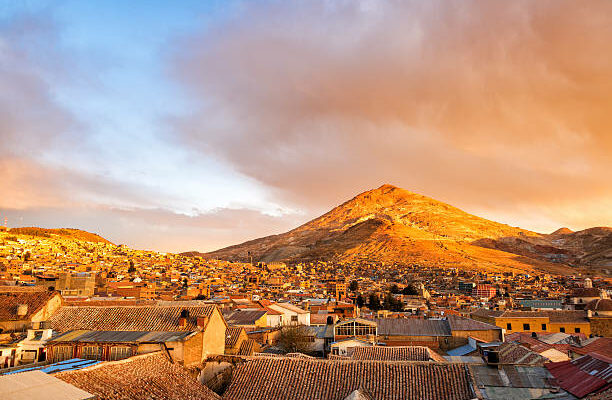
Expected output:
{"points": [[536, 321]]}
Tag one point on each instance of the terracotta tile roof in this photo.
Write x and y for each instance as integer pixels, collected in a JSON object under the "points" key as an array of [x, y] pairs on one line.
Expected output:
{"points": [[396, 353], [145, 377], [567, 316], [232, 334], [35, 300], [247, 347], [359, 394], [513, 353], [297, 379], [127, 318], [483, 312]]}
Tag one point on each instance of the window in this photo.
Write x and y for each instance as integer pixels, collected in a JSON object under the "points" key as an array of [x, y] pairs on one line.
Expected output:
{"points": [[509, 326], [121, 352], [544, 327], [61, 353], [92, 353], [562, 330], [294, 318], [526, 327], [28, 356], [355, 329], [576, 330]]}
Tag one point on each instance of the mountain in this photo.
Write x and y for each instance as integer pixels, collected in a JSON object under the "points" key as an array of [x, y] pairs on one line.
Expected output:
{"points": [[390, 224], [68, 233], [589, 247]]}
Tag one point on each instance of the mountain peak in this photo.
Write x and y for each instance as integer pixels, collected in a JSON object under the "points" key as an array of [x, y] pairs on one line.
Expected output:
{"points": [[562, 231], [390, 224], [387, 186]]}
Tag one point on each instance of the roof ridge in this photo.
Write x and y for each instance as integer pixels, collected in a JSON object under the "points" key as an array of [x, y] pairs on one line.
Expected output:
{"points": [[123, 361]]}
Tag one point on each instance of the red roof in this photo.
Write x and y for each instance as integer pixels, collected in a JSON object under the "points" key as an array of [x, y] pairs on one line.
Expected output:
{"points": [[600, 345], [591, 373]]}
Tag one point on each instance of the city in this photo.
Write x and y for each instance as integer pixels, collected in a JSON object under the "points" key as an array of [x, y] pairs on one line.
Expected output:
{"points": [[69, 304], [305, 200]]}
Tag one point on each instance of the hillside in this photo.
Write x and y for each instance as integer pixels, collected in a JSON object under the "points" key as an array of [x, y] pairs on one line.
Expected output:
{"points": [[390, 224], [68, 233]]}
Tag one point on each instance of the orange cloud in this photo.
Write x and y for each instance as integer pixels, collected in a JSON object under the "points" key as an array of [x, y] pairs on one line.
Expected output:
{"points": [[496, 107]]}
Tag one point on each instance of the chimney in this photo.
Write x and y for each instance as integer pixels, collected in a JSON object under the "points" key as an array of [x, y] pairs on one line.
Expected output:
{"points": [[22, 310], [589, 314], [202, 321]]}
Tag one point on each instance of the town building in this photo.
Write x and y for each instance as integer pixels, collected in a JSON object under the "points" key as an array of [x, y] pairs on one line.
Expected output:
{"points": [[146, 319], [573, 321]]}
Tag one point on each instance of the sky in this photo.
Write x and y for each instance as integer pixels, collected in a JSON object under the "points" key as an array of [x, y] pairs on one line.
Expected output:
{"points": [[193, 125]]}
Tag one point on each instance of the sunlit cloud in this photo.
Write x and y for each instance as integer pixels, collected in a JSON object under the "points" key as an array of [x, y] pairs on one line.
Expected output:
{"points": [[494, 107]]}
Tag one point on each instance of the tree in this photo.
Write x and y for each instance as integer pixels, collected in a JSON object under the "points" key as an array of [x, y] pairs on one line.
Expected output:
{"points": [[353, 286], [360, 301], [294, 339], [26, 256], [410, 290], [394, 289], [131, 269], [373, 302]]}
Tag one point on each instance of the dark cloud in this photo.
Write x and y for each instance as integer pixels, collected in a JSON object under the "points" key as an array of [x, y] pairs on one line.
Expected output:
{"points": [[492, 106]]}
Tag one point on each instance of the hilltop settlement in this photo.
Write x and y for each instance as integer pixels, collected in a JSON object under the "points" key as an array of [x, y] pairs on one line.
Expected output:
{"points": [[82, 318]]}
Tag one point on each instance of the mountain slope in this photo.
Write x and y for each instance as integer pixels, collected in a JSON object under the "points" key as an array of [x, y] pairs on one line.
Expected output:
{"points": [[390, 224], [69, 233]]}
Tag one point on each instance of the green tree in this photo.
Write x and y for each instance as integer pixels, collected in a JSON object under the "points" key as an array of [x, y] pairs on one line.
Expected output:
{"points": [[360, 301], [410, 290], [373, 302], [394, 289], [353, 286]]}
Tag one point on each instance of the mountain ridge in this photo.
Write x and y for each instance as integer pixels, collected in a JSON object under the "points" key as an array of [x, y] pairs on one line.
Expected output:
{"points": [[71, 233], [391, 224]]}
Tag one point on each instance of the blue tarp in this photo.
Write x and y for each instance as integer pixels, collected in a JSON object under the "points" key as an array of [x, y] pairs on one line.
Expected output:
{"points": [[67, 365]]}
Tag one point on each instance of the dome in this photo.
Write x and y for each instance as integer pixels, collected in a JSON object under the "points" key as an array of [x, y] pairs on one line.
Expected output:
{"points": [[599, 305]]}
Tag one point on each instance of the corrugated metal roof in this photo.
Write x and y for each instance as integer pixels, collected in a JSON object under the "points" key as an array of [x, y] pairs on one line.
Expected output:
{"points": [[458, 323], [412, 327], [121, 336], [464, 359], [461, 351], [587, 374], [243, 317]]}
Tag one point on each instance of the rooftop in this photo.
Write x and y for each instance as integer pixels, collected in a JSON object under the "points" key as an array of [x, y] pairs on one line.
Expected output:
{"points": [[145, 377], [35, 300], [128, 318], [121, 336], [36, 385], [296, 379]]}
